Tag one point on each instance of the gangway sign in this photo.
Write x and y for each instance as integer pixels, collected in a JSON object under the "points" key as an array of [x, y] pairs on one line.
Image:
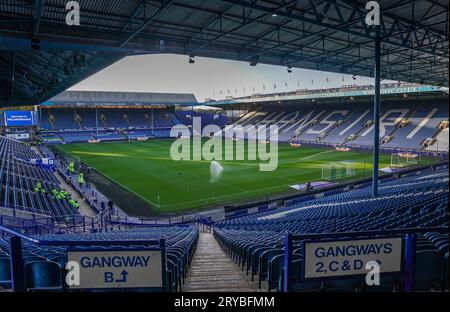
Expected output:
{"points": [[349, 257], [101, 269]]}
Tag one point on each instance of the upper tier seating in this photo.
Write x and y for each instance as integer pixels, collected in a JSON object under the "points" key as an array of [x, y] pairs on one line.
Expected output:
{"points": [[390, 117], [403, 125], [327, 123], [351, 125], [442, 141], [423, 124], [70, 126], [185, 117], [77, 119]]}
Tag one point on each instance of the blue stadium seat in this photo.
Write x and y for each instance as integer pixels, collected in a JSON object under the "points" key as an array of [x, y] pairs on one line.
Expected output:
{"points": [[44, 276], [344, 285], [413, 201], [428, 270], [44, 262], [264, 261], [299, 285], [389, 282], [5, 273]]}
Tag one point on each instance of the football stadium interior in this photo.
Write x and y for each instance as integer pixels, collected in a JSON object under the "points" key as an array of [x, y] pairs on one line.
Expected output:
{"points": [[308, 190]]}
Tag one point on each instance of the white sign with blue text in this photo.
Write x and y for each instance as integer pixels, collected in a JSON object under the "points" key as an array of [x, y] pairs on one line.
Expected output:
{"points": [[344, 258], [118, 269]]}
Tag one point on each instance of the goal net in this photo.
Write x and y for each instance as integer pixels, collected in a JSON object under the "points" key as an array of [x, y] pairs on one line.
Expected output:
{"points": [[338, 170], [404, 159]]}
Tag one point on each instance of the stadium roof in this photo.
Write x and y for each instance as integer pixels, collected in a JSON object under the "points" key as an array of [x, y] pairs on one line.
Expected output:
{"points": [[335, 93], [29, 77], [120, 98], [328, 35]]}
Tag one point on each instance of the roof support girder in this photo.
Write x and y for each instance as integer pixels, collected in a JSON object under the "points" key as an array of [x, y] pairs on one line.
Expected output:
{"points": [[37, 15], [165, 5], [363, 32]]}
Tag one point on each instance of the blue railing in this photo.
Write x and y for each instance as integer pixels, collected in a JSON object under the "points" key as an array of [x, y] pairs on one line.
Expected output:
{"points": [[131, 221], [408, 252], [18, 208], [29, 226], [205, 220]]}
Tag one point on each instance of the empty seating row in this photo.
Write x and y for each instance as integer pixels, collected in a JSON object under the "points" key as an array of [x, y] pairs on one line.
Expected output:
{"points": [[44, 264], [185, 117], [403, 126], [76, 119], [257, 242], [26, 186]]}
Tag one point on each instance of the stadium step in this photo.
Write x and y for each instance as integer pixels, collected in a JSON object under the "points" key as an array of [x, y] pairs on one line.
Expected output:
{"points": [[213, 270]]}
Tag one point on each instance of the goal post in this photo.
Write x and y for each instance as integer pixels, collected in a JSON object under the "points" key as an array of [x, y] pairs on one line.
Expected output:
{"points": [[404, 159], [338, 170]]}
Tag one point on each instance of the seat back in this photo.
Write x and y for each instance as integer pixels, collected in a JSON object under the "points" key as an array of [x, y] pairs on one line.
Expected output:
{"points": [[61, 260], [29, 259], [388, 283], [301, 285], [344, 285], [5, 269], [265, 257], [42, 275], [428, 269]]}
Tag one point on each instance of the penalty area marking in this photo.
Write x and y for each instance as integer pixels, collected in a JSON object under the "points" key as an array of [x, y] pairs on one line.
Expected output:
{"points": [[314, 155]]}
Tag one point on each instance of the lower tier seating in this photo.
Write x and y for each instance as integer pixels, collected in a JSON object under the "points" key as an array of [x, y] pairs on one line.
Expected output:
{"points": [[257, 242], [44, 263]]}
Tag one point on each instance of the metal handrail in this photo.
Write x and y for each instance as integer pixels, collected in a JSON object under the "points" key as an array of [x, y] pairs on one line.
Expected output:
{"points": [[15, 233], [24, 209], [78, 242]]}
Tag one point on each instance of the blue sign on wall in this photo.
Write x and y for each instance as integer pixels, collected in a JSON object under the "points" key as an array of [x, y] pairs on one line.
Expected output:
{"points": [[19, 118]]}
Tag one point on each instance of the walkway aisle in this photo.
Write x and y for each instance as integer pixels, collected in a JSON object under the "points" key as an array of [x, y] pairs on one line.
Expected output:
{"points": [[84, 208], [213, 270]]}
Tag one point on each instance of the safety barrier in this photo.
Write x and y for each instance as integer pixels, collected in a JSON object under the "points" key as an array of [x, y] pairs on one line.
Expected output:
{"points": [[133, 221]]}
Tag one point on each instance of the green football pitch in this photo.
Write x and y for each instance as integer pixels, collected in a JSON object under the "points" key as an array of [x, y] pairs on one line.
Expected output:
{"points": [[147, 171]]}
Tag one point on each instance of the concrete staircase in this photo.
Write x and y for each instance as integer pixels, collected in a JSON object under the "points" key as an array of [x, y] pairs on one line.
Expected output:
{"points": [[212, 270]]}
